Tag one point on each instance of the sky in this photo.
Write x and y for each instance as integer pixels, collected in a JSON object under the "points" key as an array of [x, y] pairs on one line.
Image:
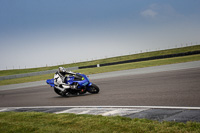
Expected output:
{"points": [[38, 33]]}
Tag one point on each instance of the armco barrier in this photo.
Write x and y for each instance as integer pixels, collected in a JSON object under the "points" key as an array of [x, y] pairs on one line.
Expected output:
{"points": [[145, 59], [34, 73]]}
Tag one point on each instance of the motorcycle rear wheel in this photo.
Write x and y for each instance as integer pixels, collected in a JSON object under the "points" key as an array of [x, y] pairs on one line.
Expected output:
{"points": [[57, 91], [94, 89]]}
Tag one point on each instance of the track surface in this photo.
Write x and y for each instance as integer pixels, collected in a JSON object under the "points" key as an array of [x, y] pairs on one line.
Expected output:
{"points": [[170, 88]]}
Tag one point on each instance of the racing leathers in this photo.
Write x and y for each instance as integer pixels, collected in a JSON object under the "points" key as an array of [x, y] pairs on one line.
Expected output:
{"points": [[60, 79]]}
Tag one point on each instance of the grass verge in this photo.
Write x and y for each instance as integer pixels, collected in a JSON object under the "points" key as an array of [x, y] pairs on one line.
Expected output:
{"points": [[47, 122], [107, 60], [108, 68]]}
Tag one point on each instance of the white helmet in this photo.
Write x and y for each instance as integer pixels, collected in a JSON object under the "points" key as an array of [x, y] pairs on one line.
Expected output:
{"points": [[61, 69]]}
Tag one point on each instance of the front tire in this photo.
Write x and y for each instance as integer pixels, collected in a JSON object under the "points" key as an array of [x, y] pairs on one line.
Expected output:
{"points": [[94, 89]]}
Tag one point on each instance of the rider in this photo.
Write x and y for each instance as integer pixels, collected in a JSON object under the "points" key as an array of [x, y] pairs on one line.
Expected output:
{"points": [[60, 78]]}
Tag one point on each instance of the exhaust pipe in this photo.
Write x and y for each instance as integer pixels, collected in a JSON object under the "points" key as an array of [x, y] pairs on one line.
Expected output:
{"points": [[64, 87], [59, 88]]}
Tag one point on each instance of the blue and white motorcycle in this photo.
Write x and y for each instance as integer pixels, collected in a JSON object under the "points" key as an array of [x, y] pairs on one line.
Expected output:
{"points": [[78, 81]]}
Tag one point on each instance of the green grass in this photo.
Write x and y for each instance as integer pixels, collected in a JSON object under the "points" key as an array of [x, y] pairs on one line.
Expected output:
{"points": [[140, 64], [107, 60], [108, 68], [55, 123]]}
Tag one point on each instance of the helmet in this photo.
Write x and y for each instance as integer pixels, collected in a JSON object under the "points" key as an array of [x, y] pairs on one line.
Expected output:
{"points": [[62, 70]]}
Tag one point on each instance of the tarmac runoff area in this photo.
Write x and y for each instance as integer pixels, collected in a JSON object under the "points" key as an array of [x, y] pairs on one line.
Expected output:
{"points": [[160, 113]]}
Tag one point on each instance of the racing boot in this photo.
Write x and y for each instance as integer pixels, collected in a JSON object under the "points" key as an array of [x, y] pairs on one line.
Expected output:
{"points": [[73, 87]]}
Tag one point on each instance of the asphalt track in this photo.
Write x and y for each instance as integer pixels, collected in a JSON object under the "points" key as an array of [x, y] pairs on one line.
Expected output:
{"points": [[163, 93], [180, 88]]}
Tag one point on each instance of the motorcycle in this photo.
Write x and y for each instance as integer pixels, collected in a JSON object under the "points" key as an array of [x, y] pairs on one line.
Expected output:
{"points": [[79, 80]]}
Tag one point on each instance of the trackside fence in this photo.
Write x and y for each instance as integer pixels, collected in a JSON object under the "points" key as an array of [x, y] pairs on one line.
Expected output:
{"points": [[34, 73], [144, 59], [100, 65]]}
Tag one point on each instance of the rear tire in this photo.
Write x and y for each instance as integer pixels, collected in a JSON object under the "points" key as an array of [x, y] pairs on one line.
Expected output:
{"points": [[94, 89], [57, 91]]}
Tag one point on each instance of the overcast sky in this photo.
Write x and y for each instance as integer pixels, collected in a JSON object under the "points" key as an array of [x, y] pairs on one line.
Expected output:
{"points": [[34, 33]]}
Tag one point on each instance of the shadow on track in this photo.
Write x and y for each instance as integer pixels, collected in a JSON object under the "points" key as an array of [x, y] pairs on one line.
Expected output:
{"points": [[70, 95]]}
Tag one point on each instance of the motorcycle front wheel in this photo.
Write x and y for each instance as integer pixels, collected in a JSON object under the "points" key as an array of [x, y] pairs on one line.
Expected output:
{"points": [[94, 89]]}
